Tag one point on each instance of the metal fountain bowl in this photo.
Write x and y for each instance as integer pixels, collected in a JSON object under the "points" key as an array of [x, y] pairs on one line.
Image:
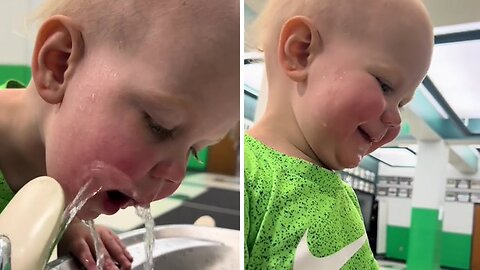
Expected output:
{"points": [[178, 247]]}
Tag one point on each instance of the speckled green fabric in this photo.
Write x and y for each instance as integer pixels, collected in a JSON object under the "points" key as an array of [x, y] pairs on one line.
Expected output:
{"points": [[285, 196], [6, 194]]}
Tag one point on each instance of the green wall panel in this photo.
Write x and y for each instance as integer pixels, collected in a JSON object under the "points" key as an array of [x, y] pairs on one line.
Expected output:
{"points": [[18, 72], [455, 248], [194, 165], [397, 242], [424, 242]]}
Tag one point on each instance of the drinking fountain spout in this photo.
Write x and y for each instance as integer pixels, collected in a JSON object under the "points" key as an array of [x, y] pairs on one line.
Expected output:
{"points": [[30, 224], [5, 253]]}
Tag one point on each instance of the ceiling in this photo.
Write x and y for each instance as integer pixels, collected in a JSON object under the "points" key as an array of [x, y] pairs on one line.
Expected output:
{"points": [[446, 106]]}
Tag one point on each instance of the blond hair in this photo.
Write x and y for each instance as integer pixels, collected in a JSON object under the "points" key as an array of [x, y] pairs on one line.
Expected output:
{"points": [[112, 20], [331, 16], [51, 7], [266, 28]]}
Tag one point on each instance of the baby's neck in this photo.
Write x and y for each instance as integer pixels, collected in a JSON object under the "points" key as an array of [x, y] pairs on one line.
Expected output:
{"points": [[283, 139], [22, 153]]}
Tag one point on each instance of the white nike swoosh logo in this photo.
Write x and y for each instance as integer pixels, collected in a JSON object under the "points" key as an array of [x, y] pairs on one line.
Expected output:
{"points": [[304, 259]]}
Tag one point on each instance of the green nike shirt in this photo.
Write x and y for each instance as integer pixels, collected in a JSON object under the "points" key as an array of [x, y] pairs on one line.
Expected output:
{"points": [[297, 214]]}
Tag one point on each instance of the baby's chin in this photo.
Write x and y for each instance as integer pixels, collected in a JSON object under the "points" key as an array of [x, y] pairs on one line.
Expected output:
{"points": [[87, 214], [347, 162]]}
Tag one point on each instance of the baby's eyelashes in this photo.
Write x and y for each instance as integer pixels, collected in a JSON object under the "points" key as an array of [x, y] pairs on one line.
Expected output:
{"points": [[159, 131], [194, 153], [385, 87]]}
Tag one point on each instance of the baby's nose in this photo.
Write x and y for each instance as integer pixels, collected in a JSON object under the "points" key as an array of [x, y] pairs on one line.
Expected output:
{"points": [[391, 117], [173, 171]]}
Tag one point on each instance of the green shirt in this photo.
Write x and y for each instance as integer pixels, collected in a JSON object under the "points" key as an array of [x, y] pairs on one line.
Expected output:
{"points": [[299, 215], [6, 193]]}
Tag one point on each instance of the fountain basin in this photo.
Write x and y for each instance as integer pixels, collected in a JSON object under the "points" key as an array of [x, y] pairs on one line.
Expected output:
{"points": [[178, 247]]}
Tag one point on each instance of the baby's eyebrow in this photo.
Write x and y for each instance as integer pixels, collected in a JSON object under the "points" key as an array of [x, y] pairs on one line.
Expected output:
{"points": [[406, 101], [157, 96]]}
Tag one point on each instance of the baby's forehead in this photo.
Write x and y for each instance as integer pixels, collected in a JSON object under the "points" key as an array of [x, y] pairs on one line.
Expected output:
{"points": [[345, 15], [128, 22], [202, 30]]}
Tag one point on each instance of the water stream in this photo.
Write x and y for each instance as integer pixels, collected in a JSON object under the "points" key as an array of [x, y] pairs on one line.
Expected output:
{"points": [[86, 192], [98, 244], [90, 189], [149, 239]]}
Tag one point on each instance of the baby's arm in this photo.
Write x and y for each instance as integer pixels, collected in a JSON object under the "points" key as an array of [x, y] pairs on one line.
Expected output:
{"points": [[78, 241]]}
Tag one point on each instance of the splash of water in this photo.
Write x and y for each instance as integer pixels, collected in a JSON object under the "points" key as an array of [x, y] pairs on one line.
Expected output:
{"points": [[145, 214], [99, 248], [106, 174], [85, 193]]}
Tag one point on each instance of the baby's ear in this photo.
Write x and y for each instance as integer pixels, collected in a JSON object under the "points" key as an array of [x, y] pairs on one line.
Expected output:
{"points": [[298, 44], [58, 50]]}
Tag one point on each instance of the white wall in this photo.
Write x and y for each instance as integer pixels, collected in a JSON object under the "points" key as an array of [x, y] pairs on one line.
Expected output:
{"points": [[395, 171], [458, 217], [393, 212], [16, 35], [399, 210], [410, 172]]}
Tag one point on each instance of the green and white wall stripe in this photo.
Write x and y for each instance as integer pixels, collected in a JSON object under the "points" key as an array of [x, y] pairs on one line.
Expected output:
{"points": [[424, 239], [454, 247], [429, 184], [456, 235], [395, 215]]}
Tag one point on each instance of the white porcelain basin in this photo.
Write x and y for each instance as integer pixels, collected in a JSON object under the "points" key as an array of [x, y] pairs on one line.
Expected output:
{"points": [[178, 247]]}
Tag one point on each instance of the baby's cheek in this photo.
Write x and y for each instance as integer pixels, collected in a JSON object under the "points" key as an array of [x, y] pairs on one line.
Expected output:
{"points": [[391, 134], [135, 162], [372, 87], [168, 189]]}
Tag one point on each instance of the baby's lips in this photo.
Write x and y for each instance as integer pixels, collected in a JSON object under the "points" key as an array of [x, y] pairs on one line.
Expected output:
{"points": [[146, 205], [127, 205], [130, 203]]}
